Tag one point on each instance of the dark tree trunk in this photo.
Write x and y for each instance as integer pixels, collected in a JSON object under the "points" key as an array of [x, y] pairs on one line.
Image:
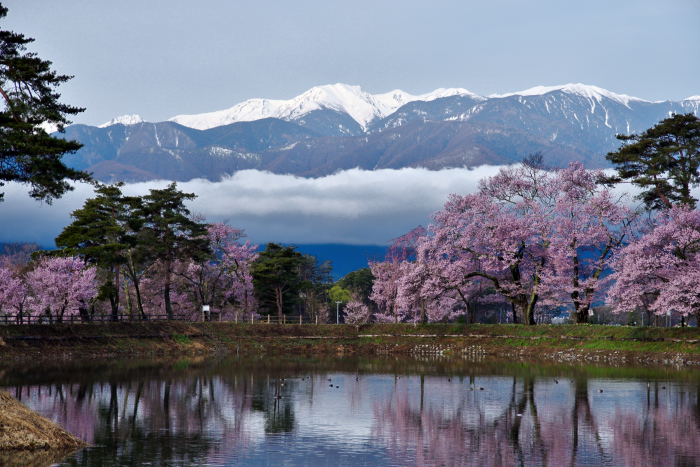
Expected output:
{"points": [[166, 291], [278, 302], [581, 315]]}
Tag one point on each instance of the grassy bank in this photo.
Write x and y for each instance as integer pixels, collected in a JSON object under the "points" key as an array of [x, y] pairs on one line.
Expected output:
{"points": [[560, 343]]}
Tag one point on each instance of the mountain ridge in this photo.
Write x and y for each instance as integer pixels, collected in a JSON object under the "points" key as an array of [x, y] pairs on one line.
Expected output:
{"points": [[337, 127]]}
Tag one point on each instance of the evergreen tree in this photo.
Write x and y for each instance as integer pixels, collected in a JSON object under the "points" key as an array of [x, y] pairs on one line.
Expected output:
{"points": [[360, 283], [100, 236], [28, 154], [663, 160], [169, 235], [277, 277]]}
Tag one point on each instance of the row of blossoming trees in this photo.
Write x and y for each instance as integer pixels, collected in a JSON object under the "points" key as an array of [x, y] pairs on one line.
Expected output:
{"points": [[530, 237], [140, 256], [533, 238]]}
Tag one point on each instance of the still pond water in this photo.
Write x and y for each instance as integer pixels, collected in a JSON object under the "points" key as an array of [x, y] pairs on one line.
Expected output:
{"points": [[359, 411]]}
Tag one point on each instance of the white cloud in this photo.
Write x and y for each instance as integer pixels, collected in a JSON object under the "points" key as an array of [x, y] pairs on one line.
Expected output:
{"points": [[351, 207]]}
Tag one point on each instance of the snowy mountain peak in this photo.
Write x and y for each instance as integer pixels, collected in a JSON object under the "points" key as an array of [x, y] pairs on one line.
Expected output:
{"points": [[583, 90], [352, 100], [392, 100], [692, 98], [124, 120], [448, 92]]}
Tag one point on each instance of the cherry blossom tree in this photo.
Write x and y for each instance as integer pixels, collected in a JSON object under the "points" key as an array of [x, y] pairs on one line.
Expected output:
{"points": [[152, 294], [387, 278], [441, 280], [385, 290], [357, 313], [532, 236], [14, 293], [223, 280], [61, 285], [589, 222], [660, 271], [501, 234]]}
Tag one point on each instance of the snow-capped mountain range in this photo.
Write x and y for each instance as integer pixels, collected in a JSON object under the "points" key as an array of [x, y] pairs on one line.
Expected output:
{"points": [[335, 127], [365, 108], [342, 98]]}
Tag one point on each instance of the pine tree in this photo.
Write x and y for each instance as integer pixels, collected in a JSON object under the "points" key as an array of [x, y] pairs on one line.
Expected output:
{"points": [[99, 235], [663, 160], [28, 154], [276, 277], [169, 235]]}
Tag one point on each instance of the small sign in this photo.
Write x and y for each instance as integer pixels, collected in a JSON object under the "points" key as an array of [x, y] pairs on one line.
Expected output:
{"points": [[205, 308]]}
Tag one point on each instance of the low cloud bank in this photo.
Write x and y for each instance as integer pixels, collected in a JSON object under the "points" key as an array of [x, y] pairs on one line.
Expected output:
{"points": [[351, 207]]}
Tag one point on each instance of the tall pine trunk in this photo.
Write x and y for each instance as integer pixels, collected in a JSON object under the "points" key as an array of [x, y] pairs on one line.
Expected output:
{"points": [[278, 302]]}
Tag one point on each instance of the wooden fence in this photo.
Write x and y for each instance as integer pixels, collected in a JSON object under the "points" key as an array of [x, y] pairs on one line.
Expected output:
{"points": [[73, 319]]}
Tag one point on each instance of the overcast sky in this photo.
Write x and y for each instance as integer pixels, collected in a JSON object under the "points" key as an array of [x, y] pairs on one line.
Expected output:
{"points": [[160, 58]]}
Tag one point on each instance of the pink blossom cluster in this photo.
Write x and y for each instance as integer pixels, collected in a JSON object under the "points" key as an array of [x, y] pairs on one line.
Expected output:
{"points": [[528, 237], [60, 287], [54, 288], [357, 313], [222, 281], [660, 271]]}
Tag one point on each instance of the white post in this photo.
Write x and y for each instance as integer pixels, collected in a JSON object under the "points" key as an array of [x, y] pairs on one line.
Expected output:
{"points": [[337, 312]]}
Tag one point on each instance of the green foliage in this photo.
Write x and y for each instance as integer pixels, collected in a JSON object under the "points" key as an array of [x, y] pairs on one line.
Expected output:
{"points": [[183, 340], [339, 294], [278, 279], [359, 283], [129, 235], [314, 296], [99, 235], [663, 160], [28, 154], [168, 234], [181, 365], [167, 228]]}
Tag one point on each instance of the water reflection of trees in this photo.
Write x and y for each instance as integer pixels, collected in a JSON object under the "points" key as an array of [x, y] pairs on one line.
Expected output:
{"points": [[189, 414], [536, 421], [183, 420]]}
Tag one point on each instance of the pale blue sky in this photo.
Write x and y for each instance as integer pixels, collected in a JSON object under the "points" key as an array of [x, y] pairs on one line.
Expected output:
{"points": [[160, 58]]}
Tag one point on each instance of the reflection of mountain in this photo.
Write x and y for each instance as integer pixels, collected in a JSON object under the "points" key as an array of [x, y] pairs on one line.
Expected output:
{"points": [[400, 412]]}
